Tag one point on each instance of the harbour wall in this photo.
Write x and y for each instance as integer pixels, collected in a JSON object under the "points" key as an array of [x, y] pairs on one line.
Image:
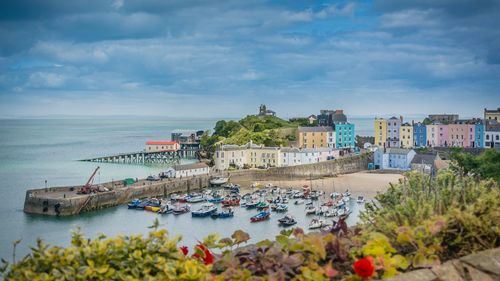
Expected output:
{"points": [[63, 201]]}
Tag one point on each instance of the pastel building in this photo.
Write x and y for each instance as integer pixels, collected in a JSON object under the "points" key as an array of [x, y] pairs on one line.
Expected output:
{"points": [[262, 156], [419, 135], [380, 131], [406, 135], [492, 115], [393, 158], [314, 137], [432, 132], [492, 136], [190, 170], [345, 135], [443, 138], [457, 134], [393, 126], [479, 134], [230, 156]]}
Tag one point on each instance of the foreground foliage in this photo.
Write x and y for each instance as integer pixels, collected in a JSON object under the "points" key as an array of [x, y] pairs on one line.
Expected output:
{"points": [[417, 223]]}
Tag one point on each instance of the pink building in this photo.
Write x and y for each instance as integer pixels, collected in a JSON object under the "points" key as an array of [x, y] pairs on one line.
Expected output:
{"points": [[443, 135], [461, 135]]}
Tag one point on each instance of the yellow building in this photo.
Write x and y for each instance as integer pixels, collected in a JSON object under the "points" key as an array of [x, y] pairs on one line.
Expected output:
{"points": [[406, 135], [380, 131], [262, 156], [492, 114], [315, 137]]}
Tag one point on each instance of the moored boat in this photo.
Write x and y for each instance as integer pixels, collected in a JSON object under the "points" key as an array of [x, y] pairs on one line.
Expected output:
{"points": [[134, 204], [152, 209], [228, 213], [262, 205], [195, 198], [287, 220], [361, 199], [310, 210], [299, 202], [219, 181], [281, 208], [316, 223], [206, 210], [260, 216], [180, 209]]}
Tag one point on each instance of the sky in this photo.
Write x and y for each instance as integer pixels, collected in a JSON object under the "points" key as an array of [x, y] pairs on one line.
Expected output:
{"points": [[212, 58]]}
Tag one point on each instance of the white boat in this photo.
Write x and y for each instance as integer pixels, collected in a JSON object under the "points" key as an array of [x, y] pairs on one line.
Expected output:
{"points": [[346, 199], [315, 223], [206, 210], [330, 213], [321, 210], [218, 181], [195, 198], [281, 208], [310, 210], [360, 199], [334, 195]]}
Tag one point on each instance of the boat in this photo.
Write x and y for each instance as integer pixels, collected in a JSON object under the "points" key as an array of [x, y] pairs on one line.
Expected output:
{"points": [[287, 220], [262, 205], [360, 199], [215, 199], [235, 189], [134, 204], [180, 209], [152, 209], [228, 213], [179, 197], [195, 198], [166, 209], [321, 210], [310, 210], [251, 204], [330, 213], [206, 210], [281, 208], [260, 216], [316, 223], [299, 202], [328, 204], [231, 202], [218, 181], [334, 195]]}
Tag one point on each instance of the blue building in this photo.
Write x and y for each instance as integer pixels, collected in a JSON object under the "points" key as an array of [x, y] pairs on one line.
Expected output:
{"points": [[479, 134], [393, 158], [419, 135], [345, 135]]}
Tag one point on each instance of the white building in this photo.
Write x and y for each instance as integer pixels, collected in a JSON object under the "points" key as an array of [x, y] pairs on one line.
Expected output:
{"points": [[296, 156], [189, 170], [393, 158], [230, 155], [157, 146], [492, 136]]}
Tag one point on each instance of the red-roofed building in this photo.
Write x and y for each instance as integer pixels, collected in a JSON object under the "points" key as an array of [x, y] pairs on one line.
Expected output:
{"points": [[156, 146]]}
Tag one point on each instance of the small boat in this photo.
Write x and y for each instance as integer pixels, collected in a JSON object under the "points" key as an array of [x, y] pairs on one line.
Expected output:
{"points": [[330, 213], [228, 213], [321, 210], [134, 204], [166, 209], [195, 198], [218, 181], [328, 204], [262, 205], [153, 203], [179, 197], [206, 210], [334, 195], [298, 194], [281, 208], [251, 204], [152, 209], [260, 216], [316, 223], [231, 202], [360, 199], [299, 202], [287, 220], [180, 209], [310, 210], [215, 199]]}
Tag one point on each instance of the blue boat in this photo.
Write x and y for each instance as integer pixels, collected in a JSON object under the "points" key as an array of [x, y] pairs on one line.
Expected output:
{"points": [[260, 216], [216, 200], [206, 210], [134, 204], [229, 213]]}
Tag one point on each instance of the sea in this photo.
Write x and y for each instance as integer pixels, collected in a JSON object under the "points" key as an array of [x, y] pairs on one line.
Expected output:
{"points": [[33, 151]]}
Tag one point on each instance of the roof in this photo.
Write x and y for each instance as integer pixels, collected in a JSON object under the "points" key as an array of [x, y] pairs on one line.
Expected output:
{"points": [[442, 164], [393, 150], [320, 129], [290, 149], [493, 127], [492, 110], [427, 159], [198, 165], [160, 142]]}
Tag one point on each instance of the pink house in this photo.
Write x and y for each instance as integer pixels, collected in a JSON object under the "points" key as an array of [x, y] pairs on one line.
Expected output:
{"points": [[443, 135], [461, 135]]}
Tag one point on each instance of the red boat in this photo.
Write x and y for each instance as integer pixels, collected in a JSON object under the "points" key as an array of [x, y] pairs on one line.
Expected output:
{"points": [[262, 216], [232, 202]]}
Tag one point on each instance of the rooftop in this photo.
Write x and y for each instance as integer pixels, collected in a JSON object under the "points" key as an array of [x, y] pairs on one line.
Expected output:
{"points": [[199, 165], [319, 129], [427, 158], [394, 150]]}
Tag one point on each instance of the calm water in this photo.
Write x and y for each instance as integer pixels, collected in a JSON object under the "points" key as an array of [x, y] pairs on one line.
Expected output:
{"points": [[32, 151]]}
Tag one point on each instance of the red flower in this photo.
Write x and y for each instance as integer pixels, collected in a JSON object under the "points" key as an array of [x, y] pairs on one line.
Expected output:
{"points": [[364, 268], [184, 250], [206, 255]]}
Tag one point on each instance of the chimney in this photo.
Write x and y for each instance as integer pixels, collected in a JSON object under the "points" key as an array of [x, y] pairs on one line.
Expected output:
{"points": [[401, 118]]}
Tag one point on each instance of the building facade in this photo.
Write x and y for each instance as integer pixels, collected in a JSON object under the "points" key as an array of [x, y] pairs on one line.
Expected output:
{"points": [[393, 158], [315, 137], [345, 136], [419, 135], [492, 115], [190, 170], [492, 136], [479, 134], [406, 135], [158, 146], [230, 156], [443, 138], [380, 132], [393, 126]]}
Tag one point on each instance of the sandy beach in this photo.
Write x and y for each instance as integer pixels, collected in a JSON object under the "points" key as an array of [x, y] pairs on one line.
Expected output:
{"points": [[361, 183]]}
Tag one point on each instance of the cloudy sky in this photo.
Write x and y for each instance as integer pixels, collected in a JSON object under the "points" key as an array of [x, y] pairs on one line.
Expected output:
{"points": [[203, 58]]}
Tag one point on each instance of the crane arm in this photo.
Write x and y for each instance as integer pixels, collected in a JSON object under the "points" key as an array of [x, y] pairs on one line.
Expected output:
{"points": [[92, 176]]}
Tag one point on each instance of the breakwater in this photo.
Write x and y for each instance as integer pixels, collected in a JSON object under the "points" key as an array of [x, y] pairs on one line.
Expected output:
{"points": [[64, 201]]}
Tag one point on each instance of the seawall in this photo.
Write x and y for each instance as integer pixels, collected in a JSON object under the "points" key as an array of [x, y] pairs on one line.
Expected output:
{"points": [[64, 201]]}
